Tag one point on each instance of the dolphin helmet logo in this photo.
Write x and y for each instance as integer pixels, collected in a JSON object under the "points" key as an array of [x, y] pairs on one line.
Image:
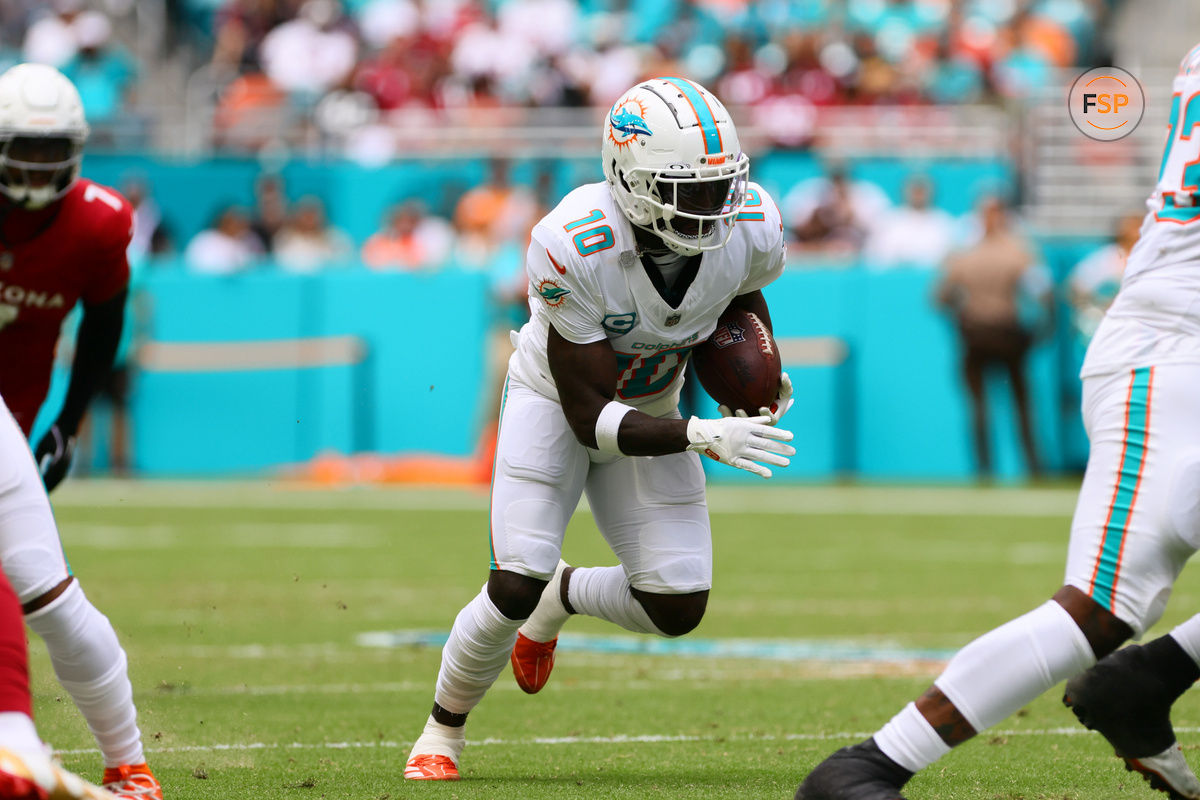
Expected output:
{"points": [[627, 121]]}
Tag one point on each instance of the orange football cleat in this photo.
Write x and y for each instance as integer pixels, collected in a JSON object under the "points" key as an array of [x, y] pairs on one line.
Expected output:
{"points": [[532, 662], [431, 768], [132, 782]]}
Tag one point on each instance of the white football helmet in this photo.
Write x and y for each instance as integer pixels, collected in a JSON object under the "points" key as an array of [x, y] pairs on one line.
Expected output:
{"points": [[674, 164], [40, 111]]}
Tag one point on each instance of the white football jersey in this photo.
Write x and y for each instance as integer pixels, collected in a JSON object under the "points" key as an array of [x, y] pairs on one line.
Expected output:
{"points": [[586, 280], [1169, 235], [1155, 318]]}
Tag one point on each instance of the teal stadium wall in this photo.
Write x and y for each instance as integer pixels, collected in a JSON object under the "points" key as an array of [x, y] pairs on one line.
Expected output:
{"points": [[190, 192], [894, 410]]}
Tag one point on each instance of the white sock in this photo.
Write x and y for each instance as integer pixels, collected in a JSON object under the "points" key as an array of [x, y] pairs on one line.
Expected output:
{"points": [[439, 740], [478, 649], [91, 666], [604, 592], [17, 733], [910, 740], [1001, 671], [1187, 636], [548, 618]]}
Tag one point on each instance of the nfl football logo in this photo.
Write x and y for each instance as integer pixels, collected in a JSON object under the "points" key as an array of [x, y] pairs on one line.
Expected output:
{"points": [[672, 320], [727, 334]]}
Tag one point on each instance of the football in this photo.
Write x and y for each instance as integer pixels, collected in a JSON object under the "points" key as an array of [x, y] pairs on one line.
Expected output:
{"points": [[739, 364]]}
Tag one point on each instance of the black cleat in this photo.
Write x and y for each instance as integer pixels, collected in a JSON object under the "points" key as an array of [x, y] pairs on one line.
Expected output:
{"points": [[1124, 700], [859, 772]]}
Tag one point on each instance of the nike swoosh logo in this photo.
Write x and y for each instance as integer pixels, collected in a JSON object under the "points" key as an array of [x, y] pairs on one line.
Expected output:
{"points": [[559, 267]]}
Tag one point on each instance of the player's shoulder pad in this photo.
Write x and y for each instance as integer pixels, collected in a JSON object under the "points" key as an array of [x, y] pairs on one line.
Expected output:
{"points": [[565, 233], [103, 213], [760, 220]]}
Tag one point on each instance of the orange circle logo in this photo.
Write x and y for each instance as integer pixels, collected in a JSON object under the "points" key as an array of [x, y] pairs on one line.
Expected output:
{"points": [[1106, 103]]}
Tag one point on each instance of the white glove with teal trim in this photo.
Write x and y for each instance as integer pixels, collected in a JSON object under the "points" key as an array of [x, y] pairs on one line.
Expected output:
{"points": [[783, 401], [741, 442]]}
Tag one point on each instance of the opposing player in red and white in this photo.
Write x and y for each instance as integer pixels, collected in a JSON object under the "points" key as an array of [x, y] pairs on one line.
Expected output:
{"points": [[626, 277], [62, 239], [1136, 525]]}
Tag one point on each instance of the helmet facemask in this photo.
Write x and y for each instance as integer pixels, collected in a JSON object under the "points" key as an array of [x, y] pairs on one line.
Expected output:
{"points": [[37, 170], [693, 209]]}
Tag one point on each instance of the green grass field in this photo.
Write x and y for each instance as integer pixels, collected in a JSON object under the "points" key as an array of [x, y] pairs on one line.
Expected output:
{"points": [[241, 608]]}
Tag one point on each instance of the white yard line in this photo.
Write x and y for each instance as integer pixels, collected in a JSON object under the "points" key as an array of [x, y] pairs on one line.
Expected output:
{"points": [[648, 738], [776, 499], [165, 536]]}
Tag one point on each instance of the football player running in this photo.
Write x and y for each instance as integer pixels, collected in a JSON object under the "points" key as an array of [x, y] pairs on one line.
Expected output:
{"points": [[62, 239], [626, 276], [1136, 524]]}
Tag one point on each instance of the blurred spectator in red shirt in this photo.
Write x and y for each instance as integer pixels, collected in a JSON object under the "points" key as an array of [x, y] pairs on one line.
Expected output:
{"points": [[743, 83]]}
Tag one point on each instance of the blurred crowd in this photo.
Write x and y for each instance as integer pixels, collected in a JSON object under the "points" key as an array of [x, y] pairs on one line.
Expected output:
{"points": [[488, 231], [406, 53], [369, 61], [344, 64]]}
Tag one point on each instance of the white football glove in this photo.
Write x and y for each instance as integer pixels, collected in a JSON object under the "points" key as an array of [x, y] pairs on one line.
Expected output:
{"points": [[783, 401], [741, 442]]}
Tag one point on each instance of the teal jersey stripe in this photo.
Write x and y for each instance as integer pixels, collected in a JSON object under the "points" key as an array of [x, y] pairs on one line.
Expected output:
{"points": [[499, 422], [704, 115], [1133, 459]]}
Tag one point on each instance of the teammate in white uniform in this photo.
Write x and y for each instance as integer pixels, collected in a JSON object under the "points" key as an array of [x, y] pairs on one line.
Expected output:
{"points": [[1136, 524], [626, 277]]}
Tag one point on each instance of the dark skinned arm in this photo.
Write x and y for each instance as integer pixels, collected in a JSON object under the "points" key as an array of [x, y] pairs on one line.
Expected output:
{"points": [[95, 348], [586, 376], [755, 303]]}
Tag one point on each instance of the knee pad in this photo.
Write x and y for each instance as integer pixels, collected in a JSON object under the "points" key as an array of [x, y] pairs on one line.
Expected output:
{"points": [[527, 536], [671, 557], [34, 570]]}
